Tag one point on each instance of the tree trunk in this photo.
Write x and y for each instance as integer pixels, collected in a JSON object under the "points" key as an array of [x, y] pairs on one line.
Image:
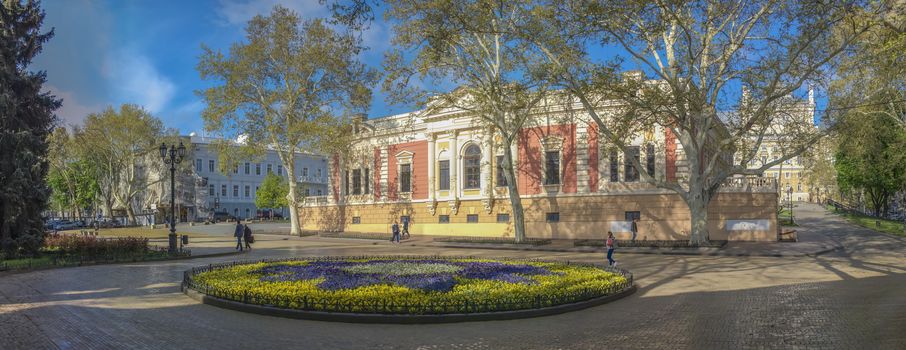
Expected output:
{"points": [[131, 213], [698, 210], [290, 165], [513, 194]]}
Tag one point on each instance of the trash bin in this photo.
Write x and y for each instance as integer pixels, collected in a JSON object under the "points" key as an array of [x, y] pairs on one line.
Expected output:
{"points": [[185, 239]]}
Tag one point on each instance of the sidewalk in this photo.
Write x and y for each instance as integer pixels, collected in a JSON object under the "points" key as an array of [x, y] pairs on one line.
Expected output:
{"points": [[813, 241]]}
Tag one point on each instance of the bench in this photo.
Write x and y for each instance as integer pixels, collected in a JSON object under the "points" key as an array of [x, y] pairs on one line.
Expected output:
{"points": [[789, 236]]}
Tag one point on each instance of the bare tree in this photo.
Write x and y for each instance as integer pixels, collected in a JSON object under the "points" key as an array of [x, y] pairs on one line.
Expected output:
{"points": [[701, 54], [474, 45]]}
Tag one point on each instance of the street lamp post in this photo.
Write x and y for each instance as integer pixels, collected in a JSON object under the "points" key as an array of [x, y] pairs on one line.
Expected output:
{"points": [[172, 156], [790, 198]]}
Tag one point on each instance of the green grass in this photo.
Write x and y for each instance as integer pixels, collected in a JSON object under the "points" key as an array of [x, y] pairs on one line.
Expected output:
{"points": [[887, 226]]}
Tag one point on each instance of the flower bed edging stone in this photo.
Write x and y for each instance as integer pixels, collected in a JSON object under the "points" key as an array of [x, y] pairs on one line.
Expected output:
{"points": [[583, 287], [404, 319]]}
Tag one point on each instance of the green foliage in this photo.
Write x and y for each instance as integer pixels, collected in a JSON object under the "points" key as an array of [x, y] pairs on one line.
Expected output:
{"points": [[289, 87], [26, 120], [870, 157], [272, 192], [121, 148]]}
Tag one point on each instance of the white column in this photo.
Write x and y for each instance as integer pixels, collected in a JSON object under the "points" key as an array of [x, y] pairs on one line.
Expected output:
{"points": [[582, 157], [487, 181], [454, 165], [385, 163], [431, 154], [330, 180]]}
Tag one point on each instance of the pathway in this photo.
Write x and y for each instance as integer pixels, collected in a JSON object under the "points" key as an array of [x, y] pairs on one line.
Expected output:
{"points": [[852, 298]]}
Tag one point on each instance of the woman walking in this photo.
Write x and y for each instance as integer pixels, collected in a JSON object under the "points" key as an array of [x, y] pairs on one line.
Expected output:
{"points": [[610, 244]]}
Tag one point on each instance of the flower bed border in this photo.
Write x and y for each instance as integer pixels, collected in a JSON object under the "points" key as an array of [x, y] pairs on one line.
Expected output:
{"points": [[477, 312]]}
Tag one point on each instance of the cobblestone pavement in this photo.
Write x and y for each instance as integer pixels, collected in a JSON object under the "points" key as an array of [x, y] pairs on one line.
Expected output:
{"points": [[850, 299]]}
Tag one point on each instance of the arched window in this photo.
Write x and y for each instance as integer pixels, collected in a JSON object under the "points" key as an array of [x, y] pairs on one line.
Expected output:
{"points": [[471, 167]]}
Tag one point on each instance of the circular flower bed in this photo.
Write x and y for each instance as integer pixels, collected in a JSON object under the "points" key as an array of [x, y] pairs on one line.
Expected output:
{"points": [[406, 285]]}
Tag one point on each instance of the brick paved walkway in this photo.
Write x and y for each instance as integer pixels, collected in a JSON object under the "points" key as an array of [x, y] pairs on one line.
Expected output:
{"points": [[845, 299]]}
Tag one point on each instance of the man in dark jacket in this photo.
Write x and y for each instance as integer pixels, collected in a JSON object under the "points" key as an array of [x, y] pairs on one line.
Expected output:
{"points": [[238, 233], [396, 232]]}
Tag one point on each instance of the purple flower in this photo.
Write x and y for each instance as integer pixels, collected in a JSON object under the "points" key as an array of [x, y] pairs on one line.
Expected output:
{"points": [[336, 277]]}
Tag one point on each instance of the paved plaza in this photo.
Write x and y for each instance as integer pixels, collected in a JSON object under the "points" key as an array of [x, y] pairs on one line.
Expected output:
{"points": [[846, 298]]}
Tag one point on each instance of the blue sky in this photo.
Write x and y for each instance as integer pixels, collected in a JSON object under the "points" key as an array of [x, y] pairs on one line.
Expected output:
{"points": [[145, 52], [110, 52]]}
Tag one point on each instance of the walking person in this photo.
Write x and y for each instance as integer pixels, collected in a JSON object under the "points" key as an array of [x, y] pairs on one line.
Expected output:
{"points": [[247, 235], [238, 232], [635, 228], [610, 245], [405, 228], [396, 232]]}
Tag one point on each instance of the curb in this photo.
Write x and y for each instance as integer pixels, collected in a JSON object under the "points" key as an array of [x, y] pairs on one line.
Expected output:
{"points": [[404, 319]]}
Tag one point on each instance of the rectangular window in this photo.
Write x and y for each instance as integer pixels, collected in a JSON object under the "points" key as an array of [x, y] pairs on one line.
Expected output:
{"points": [[632, 215], [503, 218], [319, 172], [248, 191], [270, 168], [472, 218], [211, 165], [236, 169], [223, 190], [552, 168], [279, 170], [211, 190], [649, 159], [356, 181], [247, 167], [501, 177], [632, 174], [356, 220], [443, 219], [308, 192], [198, 165], [304, 171], [614, 167], [367, 182], [236, 191], [257, 168], [444, 175], [406, 178], [320, 193], [553, 217]]}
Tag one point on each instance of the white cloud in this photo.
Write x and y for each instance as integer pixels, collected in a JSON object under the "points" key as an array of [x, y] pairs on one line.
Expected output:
{"points": [[238, 12], [71, 112], [134, 79]]}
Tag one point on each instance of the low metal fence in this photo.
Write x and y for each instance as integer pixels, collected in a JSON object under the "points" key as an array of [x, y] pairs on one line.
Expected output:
{"points": [[392, 307]]}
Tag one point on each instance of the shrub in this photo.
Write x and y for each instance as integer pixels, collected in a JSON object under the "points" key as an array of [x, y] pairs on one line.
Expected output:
{"points": [[94, 248]]}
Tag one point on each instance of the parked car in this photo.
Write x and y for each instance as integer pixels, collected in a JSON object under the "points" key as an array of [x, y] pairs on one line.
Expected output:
{"points": [[267, 214], [63, 225], [223, 216]]}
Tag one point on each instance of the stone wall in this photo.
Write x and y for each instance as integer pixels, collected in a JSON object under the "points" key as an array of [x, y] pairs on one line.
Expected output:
{"points": [[663, 217]]}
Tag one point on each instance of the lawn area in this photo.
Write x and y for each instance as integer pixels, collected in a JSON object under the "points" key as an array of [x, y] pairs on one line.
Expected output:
{"points": [[785, 219], [143, 232], [887, 226]]}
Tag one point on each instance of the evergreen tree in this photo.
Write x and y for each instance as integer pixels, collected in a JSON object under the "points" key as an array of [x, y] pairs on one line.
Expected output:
{"points": [[26, 120]]}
